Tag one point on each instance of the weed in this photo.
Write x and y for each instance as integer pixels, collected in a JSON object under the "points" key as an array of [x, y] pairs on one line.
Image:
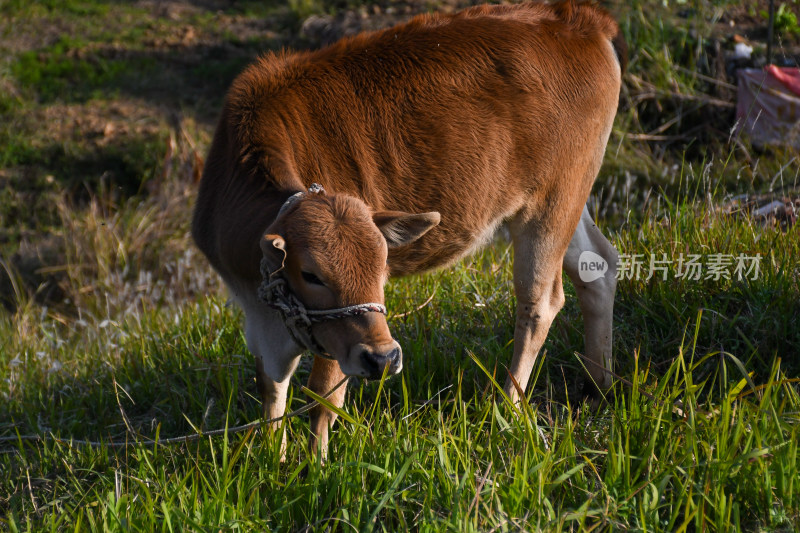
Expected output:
{"points": [[785, 19]]}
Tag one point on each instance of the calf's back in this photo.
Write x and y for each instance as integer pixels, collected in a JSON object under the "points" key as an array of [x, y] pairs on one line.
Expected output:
{"points": [[473, 115]]}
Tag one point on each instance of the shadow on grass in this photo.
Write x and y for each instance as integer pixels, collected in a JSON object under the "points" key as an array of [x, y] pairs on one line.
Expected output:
{"points": [[170, 376]]}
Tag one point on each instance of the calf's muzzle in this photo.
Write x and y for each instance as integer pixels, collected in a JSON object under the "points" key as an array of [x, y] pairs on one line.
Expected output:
{"points": [[375, 361]]}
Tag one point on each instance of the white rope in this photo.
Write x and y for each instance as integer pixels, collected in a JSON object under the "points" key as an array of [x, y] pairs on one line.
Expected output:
{"points": [[276, 293]]}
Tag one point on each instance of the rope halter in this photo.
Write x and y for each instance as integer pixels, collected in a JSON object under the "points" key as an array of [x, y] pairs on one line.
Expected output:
{"points": [[276, 293]]}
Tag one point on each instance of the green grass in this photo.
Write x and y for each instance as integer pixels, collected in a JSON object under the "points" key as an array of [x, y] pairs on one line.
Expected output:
{"points": [[786, 18], [120, 330], [705, 437], [56, 71]]}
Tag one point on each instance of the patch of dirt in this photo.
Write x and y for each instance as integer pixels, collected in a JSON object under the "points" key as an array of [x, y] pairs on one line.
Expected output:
{"points": [[321, 30], [168, 25], [101, 123], [176, 10], [21, 35]]}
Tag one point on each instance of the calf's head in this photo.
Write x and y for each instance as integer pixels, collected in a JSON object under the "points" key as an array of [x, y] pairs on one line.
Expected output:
{"points": [[332, 251]]}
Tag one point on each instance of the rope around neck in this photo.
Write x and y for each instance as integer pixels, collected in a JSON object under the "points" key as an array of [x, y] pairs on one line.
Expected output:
{"points": [[275, 292]]}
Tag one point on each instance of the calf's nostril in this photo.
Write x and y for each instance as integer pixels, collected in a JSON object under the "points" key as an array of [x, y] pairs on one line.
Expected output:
{"points": [[371, 362], [394, 356], [375, 363]]}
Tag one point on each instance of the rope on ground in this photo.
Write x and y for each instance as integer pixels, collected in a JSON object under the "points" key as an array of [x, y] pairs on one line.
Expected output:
{"points": [[171, 440]]}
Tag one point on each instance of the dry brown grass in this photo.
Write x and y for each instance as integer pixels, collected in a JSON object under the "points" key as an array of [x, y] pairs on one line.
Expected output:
{"points": [[109, 258]]}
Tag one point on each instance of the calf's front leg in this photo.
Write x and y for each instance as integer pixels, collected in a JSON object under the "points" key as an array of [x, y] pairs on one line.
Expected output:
{"points": [[325, 375], [273, 401], [276, 355]]}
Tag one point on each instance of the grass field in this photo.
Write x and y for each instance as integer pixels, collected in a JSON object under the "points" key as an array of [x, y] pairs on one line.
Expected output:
{"points": [[116, 330]]}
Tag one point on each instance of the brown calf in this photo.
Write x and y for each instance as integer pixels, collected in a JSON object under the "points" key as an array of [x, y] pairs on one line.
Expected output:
{"points": [[426, 137]]}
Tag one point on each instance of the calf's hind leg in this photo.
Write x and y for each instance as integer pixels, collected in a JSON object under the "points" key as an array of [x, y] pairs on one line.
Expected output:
{"points": [[596, 296], [540, 296]]}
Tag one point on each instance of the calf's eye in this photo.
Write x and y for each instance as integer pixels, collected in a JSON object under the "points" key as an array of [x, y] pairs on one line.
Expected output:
{"points": [[310, 277]]}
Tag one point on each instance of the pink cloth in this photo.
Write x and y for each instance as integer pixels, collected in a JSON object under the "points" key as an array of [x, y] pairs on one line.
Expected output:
{"points": [[790, 77], [768, 105]]}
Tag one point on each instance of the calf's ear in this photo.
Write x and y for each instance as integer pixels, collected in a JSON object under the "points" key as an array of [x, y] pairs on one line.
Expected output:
{"points": [[400, 228], [274, 249]]}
